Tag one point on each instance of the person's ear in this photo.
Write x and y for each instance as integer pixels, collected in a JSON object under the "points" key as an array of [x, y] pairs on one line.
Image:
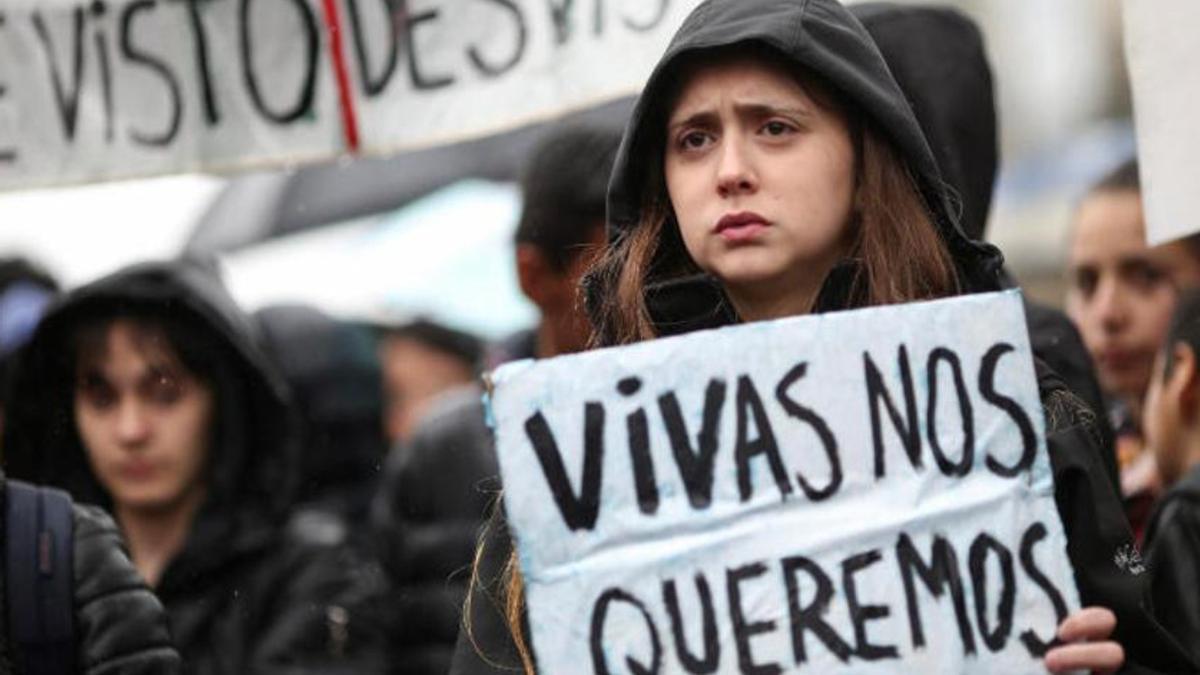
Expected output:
{"points": [[1184, 382], [534, 274]]}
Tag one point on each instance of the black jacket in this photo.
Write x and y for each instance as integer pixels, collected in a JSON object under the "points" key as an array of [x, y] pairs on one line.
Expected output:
{"points": [[826, 38], [334, 376], [1173, 557], [242, 596], [426, 519], [120, 626]]}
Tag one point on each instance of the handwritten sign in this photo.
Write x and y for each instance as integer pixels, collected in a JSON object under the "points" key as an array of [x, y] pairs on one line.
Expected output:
{"points": [[100, 89], [1160, 36], [857, 492]]}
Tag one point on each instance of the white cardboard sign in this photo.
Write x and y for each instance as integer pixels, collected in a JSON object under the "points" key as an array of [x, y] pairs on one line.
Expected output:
{"points": [[1162, 50], [857, 492], [100, 89]]}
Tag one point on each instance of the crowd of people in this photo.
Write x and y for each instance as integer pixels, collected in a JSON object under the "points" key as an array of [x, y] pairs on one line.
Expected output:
{"points": [[286, 492]]}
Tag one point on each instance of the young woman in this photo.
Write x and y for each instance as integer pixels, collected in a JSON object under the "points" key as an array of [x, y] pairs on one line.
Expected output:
{"points": [[145, 393], [773, 168]]}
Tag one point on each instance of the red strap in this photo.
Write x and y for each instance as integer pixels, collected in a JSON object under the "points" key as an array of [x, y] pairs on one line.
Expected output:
{"points": [[333, 22]]}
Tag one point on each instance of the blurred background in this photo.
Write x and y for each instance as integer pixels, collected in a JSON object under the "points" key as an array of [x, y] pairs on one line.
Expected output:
{"points": [[355, 238]]}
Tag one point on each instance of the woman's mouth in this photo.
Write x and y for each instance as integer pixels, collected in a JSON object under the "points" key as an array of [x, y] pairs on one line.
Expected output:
{"points": [[1120, 359], [137, 470], [740, 227]]}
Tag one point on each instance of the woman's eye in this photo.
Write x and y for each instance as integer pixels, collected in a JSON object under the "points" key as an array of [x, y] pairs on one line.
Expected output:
{"points": [[1085, 282], [1146, 277], [693, 140], [776, 128], [96, 393], [163, 388]]}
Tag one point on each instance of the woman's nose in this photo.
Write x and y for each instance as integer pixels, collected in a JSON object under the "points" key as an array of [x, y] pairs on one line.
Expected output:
{"points": [[735, 171], [133, 424], [1111, 305]]}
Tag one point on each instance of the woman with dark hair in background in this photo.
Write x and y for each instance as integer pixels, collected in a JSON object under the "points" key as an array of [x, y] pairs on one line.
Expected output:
{"points": [[145, 393]]}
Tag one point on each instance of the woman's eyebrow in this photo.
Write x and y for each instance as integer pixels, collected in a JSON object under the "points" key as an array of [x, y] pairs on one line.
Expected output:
{"points": [[749, 109], [698, 117], [766, 109]]}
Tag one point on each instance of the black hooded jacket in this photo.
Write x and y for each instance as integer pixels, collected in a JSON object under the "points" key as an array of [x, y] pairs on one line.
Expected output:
{"points": [[241, 596], [120, 626], [824, 37], [1173, 556], [334, 376]]}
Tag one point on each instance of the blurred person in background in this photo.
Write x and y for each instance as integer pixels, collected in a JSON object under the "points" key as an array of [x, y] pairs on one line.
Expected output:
{"points": [[438, 487], [421, 360], [116, 625], [1120, 294], [112, 625], [333, 371], [25, 291], [1171, 419], [145, 392]]}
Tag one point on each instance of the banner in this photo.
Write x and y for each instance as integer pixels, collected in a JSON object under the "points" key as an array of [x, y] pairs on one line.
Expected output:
{"points": [[101, 89], [857, 492], [1160, 39]]}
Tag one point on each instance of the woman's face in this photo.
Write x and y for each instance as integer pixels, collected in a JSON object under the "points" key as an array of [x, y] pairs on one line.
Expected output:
{"points": [[144, 420], [1121, 291], [762, 182]]}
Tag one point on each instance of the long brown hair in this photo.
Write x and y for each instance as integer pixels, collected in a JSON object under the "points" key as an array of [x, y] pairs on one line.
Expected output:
{"points": [[898, 252]]}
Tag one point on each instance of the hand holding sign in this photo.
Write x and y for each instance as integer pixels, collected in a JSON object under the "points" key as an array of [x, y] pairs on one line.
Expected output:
{"points": [[802, 493]]}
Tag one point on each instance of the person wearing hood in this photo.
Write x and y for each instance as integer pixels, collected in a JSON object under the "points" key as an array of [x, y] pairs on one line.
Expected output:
{"points": [[773, 167], [335, 378], [437, 487], [145, 393]]}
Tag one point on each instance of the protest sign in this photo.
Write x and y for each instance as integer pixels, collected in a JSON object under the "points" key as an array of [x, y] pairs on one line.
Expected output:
{"points": [[857, 492], [1160, 40], [99, 89]]}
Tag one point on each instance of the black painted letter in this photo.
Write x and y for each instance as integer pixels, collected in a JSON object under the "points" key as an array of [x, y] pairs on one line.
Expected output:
{"points": [[947, 467], [811, 616], [743, 630], [695, 467], [819, 426], [421, 81], [980, 548], [600, 613], [498, 69], [648, 24], [712, 646], [910, 432], [987, 386], [304, 101], [1037, 647], [578, 511], [942, 571], [135, 55], [374, 84], [67, 98], [860, 614], [750, 405]]}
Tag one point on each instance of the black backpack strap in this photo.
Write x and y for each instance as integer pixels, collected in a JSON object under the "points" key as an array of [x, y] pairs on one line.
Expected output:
{"points": [[39, 579]]}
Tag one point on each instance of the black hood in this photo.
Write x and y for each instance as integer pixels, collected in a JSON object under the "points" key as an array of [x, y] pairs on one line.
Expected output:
{"points": [[334, 375], [823, 37], [253, 463], [938, 58]]}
